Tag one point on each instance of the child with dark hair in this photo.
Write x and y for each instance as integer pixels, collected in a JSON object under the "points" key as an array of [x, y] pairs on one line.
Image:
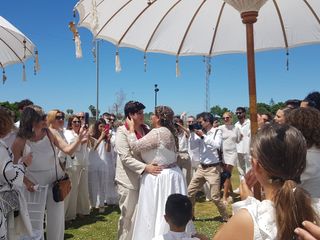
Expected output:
{"points": [[178, 212]]}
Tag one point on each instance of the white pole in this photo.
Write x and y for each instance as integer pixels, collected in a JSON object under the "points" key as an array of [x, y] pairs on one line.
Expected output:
{"points": [[97, 76]]}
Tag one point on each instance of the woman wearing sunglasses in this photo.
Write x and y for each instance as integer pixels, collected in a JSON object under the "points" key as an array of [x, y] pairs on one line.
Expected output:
{"points": [[77, 167], [231, 136], [34, 136]]}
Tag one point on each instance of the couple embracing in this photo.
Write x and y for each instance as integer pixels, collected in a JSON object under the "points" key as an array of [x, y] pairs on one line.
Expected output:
{"points": [[146, 172]]}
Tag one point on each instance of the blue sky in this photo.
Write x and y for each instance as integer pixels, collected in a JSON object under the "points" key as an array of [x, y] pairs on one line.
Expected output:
{"points": [[66, 82]]}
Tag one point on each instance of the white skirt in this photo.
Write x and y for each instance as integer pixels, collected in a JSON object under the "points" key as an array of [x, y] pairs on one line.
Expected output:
{"points": [[154, 191]]}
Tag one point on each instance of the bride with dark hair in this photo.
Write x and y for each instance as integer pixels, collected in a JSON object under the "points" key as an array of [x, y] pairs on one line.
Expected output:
{"points": [[158, 147]]}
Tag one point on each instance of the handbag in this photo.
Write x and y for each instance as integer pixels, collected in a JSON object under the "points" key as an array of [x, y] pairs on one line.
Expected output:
{"points": [[60, 187]]}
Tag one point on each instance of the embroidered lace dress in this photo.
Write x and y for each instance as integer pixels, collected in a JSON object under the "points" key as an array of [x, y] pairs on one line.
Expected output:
{"points": [[157, 147]]}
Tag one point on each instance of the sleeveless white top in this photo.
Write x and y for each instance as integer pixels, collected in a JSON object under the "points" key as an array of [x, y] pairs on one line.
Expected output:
{"points": [[42, 154], [264, 216]]}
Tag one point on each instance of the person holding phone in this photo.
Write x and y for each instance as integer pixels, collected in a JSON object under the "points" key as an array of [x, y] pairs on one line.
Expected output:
{"points": [[101, 180], [34, 136], [77, 202]]}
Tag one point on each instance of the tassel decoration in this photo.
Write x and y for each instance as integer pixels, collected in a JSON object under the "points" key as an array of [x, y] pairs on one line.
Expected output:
{"points": [[4, 77], [118, 64], [24, 48], [77, 42], [287, 64], [24, 76], [145, 62], [178, 73], [94, 51], [36, 62], [94, 14]]}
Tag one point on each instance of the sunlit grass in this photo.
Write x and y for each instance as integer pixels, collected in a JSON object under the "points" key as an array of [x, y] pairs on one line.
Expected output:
{"points": [[103, 226]]}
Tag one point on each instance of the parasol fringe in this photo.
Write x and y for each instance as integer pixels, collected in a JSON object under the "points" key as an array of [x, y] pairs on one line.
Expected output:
{"points": [[178, 73], [4, 77], [118, 64], [94, 13], [94, 51], [24, 75], [77, 42], [24, 48], [36, 62], [145, 62], [287, 64]]}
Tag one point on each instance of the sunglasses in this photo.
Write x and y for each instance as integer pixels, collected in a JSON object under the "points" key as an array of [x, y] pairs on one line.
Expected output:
{"points": [[78, 122], [239, 113], [226, 118], [80, 117], [59, 117], [110, 119]]}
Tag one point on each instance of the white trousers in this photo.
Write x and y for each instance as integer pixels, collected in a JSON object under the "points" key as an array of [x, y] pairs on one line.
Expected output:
{"points": [[77, 201], [127, 204]]}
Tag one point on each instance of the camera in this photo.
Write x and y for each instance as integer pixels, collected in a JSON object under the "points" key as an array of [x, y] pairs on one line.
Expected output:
{"points": [[195, 126]]}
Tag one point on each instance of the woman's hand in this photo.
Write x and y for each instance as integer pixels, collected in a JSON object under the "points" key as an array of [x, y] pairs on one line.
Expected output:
{"points": [[250, 178], [310, 231], [130, 124], [244, 190], [83, 133], [27, 160], [29, 184]]}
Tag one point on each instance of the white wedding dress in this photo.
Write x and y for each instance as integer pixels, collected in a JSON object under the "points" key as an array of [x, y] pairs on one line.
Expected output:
{"points": [[157, 147]]}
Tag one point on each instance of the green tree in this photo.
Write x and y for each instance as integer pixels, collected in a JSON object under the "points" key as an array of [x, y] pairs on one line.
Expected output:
{"points": [[13, 107], [93, 110], [69, 111], [263, 108], [217, 110]]}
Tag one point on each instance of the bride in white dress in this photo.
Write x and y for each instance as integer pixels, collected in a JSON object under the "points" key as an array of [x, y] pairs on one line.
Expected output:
{"points": [[158, 147]]}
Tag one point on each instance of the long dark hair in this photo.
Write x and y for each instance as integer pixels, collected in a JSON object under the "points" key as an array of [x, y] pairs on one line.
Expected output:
{"points": [[96, 133], [29, 116], [281, 150], [166, 114]]}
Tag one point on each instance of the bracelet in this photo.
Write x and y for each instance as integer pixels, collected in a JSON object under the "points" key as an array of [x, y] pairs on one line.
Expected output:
{"points": [[25, 165]]}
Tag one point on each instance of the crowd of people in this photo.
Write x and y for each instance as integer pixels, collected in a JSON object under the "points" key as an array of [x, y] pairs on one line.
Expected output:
{"points": [[153, 173]]}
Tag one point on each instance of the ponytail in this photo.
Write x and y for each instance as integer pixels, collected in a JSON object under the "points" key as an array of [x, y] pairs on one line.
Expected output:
{"points": [[293, 205]]}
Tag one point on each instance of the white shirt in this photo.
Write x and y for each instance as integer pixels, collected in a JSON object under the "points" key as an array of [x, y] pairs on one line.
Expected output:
{"points": [[183, 142], [310, 178], [244, 145], [175, 236], [207, 146]]}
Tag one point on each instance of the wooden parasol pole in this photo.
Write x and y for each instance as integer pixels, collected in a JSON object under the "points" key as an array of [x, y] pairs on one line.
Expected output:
{"points": [[249, 18]]}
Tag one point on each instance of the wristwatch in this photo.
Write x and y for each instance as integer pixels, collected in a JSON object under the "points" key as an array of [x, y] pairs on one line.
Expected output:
{"points": [[25, 165], [202, 137]]}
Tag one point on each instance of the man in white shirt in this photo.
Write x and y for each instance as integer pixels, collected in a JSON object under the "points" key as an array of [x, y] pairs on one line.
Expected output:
{"points": [[208, 140], [243, 147]]}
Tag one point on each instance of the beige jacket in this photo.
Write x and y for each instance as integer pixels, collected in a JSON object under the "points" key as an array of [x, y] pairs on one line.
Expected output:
{"points": [[129, 163]]}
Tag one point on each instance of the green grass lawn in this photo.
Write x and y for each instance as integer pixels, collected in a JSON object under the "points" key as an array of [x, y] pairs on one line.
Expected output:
{"points": [[103, 226]]}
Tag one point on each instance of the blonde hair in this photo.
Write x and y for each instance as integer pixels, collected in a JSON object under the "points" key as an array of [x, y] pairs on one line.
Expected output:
{"points": [[51, 117]]}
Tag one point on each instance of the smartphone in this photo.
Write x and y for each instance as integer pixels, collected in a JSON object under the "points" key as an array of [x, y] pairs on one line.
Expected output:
{"points": [[86, 119], [107, 130]]}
